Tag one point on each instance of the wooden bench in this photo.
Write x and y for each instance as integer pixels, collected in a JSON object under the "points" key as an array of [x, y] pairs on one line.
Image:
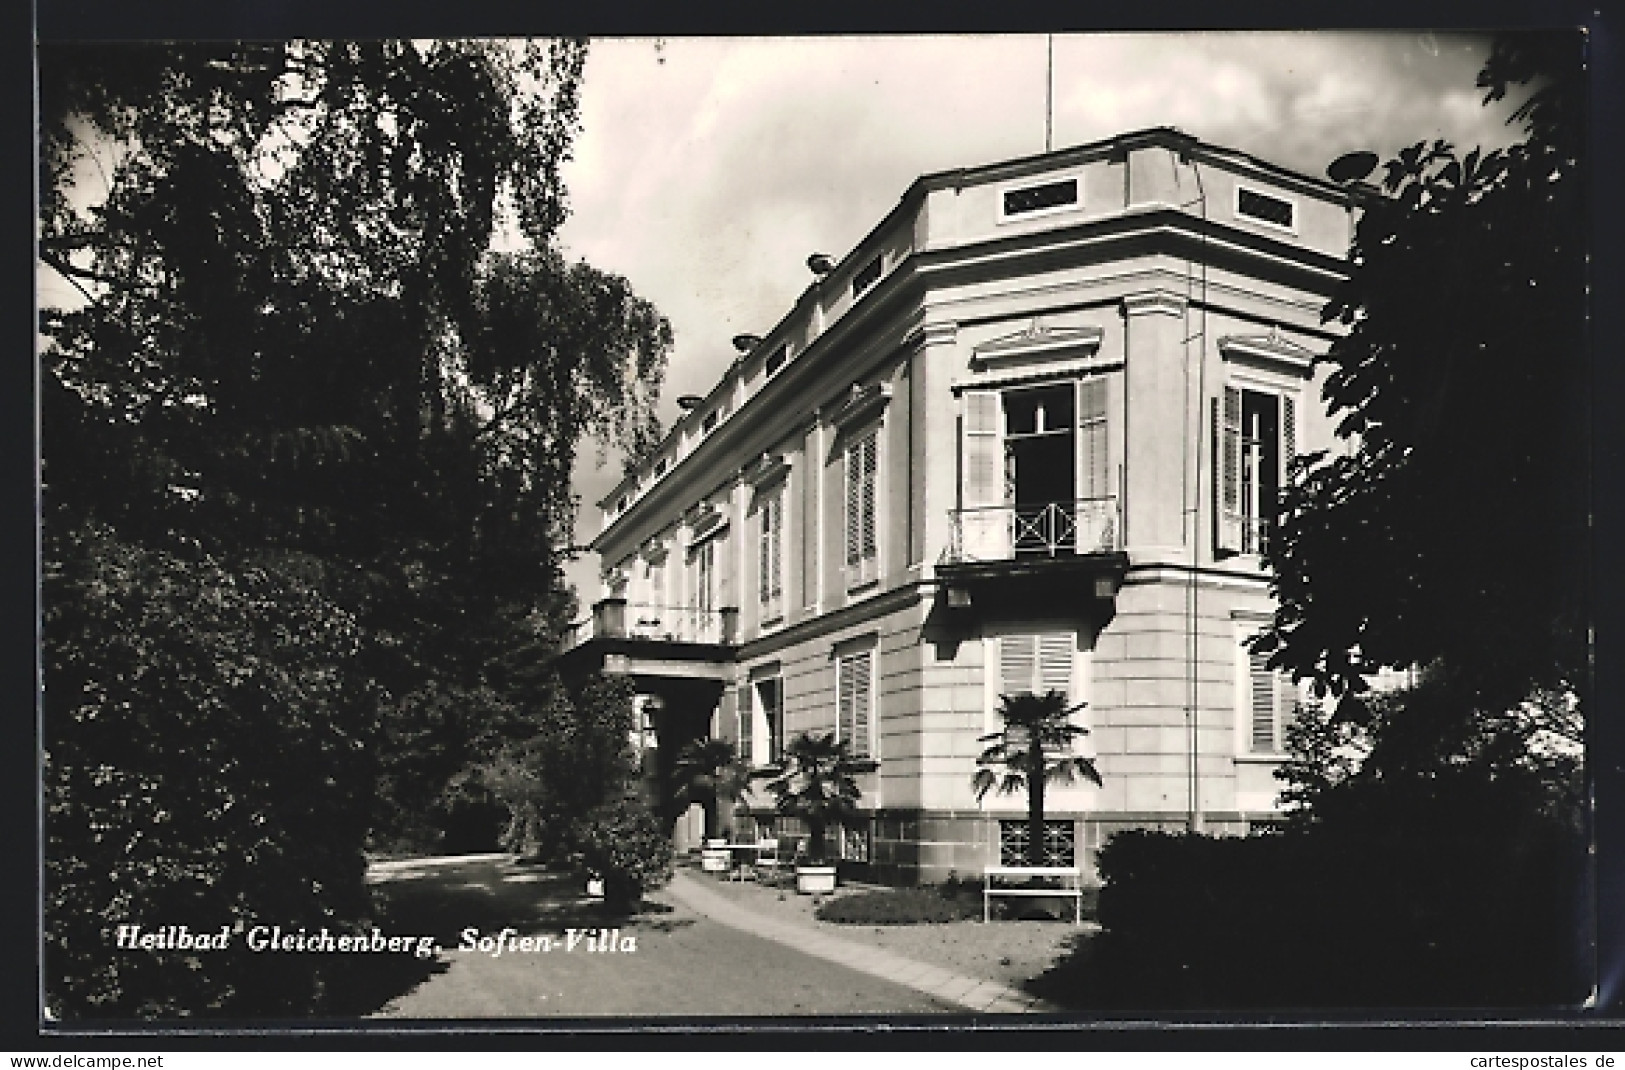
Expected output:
{"points": [[996, 882]]}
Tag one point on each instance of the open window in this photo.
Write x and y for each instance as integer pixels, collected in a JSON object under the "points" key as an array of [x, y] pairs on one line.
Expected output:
{"points": [[1254, 434]]}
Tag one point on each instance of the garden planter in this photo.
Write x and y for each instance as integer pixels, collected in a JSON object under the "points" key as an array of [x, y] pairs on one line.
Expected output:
{"points": [[815, 880]]}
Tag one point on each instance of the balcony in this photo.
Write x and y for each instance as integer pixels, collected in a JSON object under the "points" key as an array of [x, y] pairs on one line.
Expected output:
{"points": [[1022, 532], [1007, 559], [617, 618]]}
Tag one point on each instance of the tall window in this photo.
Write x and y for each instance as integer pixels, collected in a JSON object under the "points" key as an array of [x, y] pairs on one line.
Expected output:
{"points": [[1254, 440], [770, 556], [862, 550], [702, 563], [854, 702]]}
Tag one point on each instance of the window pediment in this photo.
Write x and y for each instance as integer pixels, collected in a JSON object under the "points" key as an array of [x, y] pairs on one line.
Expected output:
{"points": [[765, 472], [704, 520], [1033, 355], [862, 405], [1270, 352]]}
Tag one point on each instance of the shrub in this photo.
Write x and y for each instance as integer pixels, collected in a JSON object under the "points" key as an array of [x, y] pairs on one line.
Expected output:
{"points": [[1338, 918], [622, 842], [902, 906]]}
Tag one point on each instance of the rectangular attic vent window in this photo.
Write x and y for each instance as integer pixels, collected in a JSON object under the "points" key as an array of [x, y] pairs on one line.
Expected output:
{"points": [[1264, 208], [661, 466], [866, 277], [1037, 198], [776, 359], [710, 421]]}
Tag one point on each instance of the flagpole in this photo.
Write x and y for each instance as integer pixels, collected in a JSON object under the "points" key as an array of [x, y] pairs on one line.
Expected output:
{"points": [[1049, 91]]}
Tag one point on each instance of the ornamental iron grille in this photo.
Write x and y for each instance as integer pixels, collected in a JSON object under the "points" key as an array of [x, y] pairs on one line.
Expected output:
{"points": [[1060, 843]]}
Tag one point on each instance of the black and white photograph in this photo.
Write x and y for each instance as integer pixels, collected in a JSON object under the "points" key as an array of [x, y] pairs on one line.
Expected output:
{"points": [[871, 531]]}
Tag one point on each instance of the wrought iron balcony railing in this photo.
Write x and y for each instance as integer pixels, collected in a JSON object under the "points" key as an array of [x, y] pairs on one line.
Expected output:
{"points": [[1045, 529]]}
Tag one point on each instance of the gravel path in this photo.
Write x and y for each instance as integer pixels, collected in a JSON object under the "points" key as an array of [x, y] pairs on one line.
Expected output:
{"points": [[1008, 952]]}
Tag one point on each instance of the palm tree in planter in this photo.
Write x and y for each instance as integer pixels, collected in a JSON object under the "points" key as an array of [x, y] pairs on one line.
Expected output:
{"points": [[818, 787], [709, 772], [1033, 750]]}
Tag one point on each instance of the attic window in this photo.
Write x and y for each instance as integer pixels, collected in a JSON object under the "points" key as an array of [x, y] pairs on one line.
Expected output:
{"points": [[776, 359], [620, 506], [866, 277], [661, 466], [1264, 208], [1040, 198], [710, 421]]}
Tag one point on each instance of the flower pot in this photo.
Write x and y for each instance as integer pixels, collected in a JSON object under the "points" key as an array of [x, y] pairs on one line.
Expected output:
{"points": [[714, 860], [815, 880]]}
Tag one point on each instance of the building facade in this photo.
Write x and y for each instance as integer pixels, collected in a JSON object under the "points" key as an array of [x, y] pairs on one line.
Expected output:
{"points": [[1027, 435]]}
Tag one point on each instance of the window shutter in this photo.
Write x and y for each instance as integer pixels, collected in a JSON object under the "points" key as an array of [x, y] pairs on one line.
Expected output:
{"points": [[862, 674], [1054, 663], [809, 522], [853, 699], [1289, 434], [1262, 692], [1227, 472], [1092, 461], [776, 559], [854, 505], [747, 725], [764, 574], [1018, 664], [983, 528], [868, 548]]}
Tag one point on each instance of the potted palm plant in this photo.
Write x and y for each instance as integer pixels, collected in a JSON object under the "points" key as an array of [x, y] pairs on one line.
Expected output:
{"points": [[1031, 751], [708, 772], [817, 786]]}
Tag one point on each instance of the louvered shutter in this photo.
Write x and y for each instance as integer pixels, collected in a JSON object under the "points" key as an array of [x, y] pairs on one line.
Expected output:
{"points": [[1263, 697], [746, 711], [854, 506], [1289, 434], [764, 567], [862, 674], [853, 699], [776, 557], [1018, 664], [809, 523], [984, 526], [1092, 461], [1227, 472], [868, 545], [1054, 663]]}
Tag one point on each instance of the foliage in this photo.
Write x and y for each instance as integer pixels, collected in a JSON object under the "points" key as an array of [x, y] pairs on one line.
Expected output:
{"points": [[205, 764], [818, 786], [1033, 750], [709, 772], [1462, 917], [623, 842], [1459, 388], [901, 906], [578, 759], [295, 354]]}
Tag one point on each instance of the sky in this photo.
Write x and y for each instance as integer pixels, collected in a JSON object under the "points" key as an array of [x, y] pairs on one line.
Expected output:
{"points": [[707, 169]]}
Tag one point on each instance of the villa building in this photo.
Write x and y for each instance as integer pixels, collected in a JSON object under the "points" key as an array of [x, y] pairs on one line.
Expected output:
{"points": [[1027, 435]]}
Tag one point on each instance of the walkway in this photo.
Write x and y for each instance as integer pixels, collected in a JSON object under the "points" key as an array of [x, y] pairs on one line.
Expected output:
{"points": [[985, 997]]}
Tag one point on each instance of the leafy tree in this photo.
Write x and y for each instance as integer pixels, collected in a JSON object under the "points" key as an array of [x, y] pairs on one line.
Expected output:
{"points": [[708, 772], [818, 786], [207, 764], [1454, 526], [297, 361], [1033, 750]]}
